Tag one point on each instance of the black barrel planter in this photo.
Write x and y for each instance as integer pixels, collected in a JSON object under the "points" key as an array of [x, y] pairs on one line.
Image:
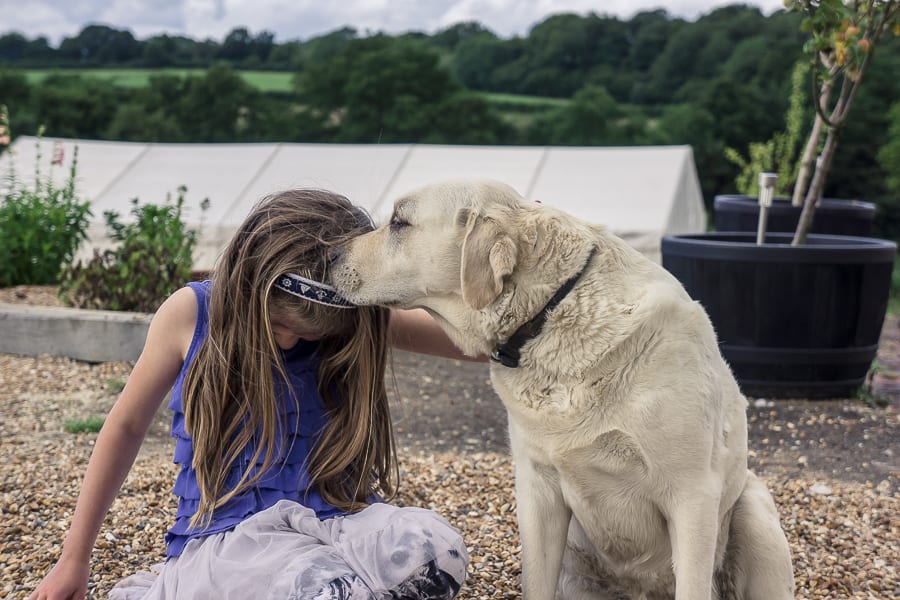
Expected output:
{"points": [[832, 217], [792, 321]]}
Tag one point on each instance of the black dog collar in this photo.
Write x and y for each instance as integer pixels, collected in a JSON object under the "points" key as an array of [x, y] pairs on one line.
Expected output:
{"points": [[508, 353]]}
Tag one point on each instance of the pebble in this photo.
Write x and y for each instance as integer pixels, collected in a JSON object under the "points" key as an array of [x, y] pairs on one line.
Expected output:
{"points": [[820, 489], [843, 534]]}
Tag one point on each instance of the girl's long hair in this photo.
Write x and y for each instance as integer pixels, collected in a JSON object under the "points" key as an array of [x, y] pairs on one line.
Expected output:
{"points": [[229, 393]]}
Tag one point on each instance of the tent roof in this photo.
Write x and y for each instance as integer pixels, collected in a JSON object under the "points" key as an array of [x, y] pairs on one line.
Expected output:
{"points": [[640, 193]]}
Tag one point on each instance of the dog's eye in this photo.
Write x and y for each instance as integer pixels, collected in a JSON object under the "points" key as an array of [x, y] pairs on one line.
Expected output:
{"points": [[397, 224]]}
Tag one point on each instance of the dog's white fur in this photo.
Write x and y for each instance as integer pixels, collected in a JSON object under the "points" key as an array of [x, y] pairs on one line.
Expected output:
{"points": [[628, 432]]}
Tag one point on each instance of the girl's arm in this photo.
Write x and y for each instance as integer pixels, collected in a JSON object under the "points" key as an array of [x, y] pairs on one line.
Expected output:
{"points": [[416, 331], [120, 438]]}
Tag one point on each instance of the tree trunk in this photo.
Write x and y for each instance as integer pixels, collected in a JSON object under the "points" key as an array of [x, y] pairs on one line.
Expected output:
{"points": [[817, 186], [812, 144], [806, 162]]}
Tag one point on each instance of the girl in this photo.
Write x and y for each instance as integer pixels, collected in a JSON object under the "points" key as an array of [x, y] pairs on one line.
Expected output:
{"points": [[282, 428]]}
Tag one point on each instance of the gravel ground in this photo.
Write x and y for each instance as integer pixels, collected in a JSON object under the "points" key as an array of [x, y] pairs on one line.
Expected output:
{"points": [[831, 466]]}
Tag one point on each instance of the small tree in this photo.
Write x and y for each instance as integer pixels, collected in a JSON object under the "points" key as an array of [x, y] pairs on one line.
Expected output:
{"points": [[889, 158], [843, 35], [779, 154]]}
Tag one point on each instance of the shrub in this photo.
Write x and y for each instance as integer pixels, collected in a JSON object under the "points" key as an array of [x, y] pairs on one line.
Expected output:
{"points": [[41, 226], [153, 259]]}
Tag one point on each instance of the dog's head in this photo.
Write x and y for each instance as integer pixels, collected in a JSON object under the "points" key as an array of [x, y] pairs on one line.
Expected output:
{"points": [[447, 239], [448, 247]]}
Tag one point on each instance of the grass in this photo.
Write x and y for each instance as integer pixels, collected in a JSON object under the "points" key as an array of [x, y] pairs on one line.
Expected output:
{"points": [[525, 102], [519, 120], [88, 425], [265, 81], [115, 385]]}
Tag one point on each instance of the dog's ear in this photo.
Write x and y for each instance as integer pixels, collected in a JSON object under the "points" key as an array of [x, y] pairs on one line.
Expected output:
{"points": [[488, 255]]}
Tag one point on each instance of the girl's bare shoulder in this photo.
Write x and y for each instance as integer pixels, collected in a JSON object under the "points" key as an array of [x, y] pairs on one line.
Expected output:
{"points": [[176, 319]]}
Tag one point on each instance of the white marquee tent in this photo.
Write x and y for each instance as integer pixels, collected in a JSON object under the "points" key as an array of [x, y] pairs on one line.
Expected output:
{"points": [[639, 193]]}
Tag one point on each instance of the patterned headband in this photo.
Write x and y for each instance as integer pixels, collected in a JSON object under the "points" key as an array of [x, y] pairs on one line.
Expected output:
{"points": [[313, 291]]}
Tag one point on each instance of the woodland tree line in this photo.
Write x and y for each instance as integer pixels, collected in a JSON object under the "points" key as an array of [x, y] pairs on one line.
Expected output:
{"points": [[720, 81]]}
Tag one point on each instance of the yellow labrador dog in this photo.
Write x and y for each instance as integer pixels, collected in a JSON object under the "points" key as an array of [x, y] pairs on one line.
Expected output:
{"points": [[628, 432]]}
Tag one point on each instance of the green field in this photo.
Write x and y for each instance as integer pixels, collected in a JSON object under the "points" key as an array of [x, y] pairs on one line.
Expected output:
{"points": [[266, 81], [271, 81], [525, 102]]}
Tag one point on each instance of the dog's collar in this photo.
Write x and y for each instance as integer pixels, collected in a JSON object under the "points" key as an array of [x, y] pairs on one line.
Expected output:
{"points": [[508, 353]]}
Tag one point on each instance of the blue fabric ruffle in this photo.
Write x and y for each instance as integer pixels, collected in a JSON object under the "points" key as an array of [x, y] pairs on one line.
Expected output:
{"points": [[287, 479]]}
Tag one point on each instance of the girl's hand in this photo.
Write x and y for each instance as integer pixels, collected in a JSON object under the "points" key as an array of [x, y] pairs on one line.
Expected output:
{"points": [[67, 580]]}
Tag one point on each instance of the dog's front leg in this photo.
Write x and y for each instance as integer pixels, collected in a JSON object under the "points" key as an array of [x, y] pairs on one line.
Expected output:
{"points": [[693, 529], [543, 527]]}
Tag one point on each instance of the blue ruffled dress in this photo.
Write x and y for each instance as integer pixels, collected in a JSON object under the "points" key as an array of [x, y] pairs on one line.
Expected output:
{"points": [[287, 479]]}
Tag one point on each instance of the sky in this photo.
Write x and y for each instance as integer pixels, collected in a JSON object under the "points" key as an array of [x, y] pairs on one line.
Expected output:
{"points": [[303, 19]]}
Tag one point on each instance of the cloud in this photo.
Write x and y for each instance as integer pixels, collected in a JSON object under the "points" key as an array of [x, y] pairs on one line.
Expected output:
{"points": [[307, 18], [302, 19], [143, 16]]}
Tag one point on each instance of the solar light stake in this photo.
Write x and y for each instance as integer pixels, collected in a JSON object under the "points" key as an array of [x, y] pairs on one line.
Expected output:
{"points": [[766, 191]]}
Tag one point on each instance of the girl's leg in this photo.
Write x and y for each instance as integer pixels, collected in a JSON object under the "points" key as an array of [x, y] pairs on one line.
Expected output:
{"points": [[404, 553], [383, 552], [284, 552]]}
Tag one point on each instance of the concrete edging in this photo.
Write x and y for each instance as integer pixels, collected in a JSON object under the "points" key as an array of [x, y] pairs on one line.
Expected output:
{"points": [[81, 334]]}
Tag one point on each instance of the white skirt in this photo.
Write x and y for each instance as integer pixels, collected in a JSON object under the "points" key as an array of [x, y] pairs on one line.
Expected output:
{"points": [[285, 551]]}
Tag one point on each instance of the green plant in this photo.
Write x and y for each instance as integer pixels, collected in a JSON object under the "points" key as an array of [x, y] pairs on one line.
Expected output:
{"points": [[88, 425], [152, 259], [41, 225], [888, 215], [779, 154], [5, 134], [894, 298], [115, 385], [867, 392], [843, 35], [889, 154]]}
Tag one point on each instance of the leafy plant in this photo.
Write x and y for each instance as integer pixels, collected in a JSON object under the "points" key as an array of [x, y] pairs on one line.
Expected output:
{"points": [[5, 134], [894, 298], [153, 259], [41, 225], [88, 425], [867, 392], [115, 385], [843, 35], [779, 154], [889, 155]]}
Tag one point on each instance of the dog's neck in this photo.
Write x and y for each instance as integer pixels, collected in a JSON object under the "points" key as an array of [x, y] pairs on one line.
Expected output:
{"points": [[508, 353]]}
